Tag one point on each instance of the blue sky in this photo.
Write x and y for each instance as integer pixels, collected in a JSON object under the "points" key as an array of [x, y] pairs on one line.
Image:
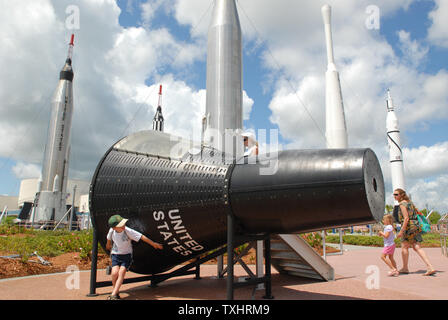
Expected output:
{"points": [[118, 67]]}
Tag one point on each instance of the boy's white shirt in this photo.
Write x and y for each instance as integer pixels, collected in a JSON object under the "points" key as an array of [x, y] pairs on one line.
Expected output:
{"points": [[389, 241], [122, 240]]}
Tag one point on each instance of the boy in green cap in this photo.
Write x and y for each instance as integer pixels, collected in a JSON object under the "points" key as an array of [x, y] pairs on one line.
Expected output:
{"points": [[121, 253]]}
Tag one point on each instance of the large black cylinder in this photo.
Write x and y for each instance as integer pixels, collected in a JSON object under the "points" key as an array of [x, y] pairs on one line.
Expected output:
{"points": [[179, 195]]}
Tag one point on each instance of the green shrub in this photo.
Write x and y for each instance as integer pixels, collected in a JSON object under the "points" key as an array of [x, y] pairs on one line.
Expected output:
{"points": [[314, 239], [429, 239], [49, 243]]}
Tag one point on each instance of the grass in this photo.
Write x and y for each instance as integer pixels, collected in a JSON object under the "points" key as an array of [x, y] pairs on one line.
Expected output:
{"points": [[19, 240], [22, 241]]}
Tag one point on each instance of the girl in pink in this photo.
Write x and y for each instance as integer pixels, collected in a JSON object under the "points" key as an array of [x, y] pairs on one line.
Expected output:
{"points": [[389, 245]]}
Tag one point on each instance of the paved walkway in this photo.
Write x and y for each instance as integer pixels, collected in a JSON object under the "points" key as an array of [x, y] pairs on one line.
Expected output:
{"points": [[356, 271]]}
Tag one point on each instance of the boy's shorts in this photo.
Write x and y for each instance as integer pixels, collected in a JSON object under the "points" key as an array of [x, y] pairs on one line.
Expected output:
{"points": [[122, 260]]}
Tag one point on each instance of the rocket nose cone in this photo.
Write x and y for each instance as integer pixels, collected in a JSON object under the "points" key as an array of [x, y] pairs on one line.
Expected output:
{"points": [[326, 13], [225, 12], [67, 71]]}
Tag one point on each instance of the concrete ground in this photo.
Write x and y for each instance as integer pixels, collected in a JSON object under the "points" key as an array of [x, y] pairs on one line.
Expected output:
{"points": [[360, 274]]}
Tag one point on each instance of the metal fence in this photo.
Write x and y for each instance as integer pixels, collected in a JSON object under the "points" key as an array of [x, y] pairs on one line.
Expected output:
{"points": [[442, 227]]}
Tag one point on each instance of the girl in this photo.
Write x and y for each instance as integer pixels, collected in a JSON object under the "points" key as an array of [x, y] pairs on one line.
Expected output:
{"points": [[389, 245]]}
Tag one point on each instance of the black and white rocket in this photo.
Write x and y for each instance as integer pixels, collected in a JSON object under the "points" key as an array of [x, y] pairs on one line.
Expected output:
{"points": [[395, 152], [157, 122], [51, 198]]}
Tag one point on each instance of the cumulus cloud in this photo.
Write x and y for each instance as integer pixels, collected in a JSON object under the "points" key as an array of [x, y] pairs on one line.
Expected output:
{"points": [[438, 32], [413, 51], [426, 162], [114, 67], [26, 170], [431, 193]]}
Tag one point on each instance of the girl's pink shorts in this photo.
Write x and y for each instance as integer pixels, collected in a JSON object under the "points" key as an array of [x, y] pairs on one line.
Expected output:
{"points": [[389, 249]]}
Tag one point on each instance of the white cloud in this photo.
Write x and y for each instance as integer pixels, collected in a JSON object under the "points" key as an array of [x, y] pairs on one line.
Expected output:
{"points": [[426, 161], [149, 10], [412, 50], [431, 193], [26, 170], [247, 105], [438, 32], [111, 65]]}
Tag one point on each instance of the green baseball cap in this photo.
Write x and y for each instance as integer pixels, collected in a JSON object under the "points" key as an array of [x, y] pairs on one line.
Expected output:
{"points": [[117, 221]]}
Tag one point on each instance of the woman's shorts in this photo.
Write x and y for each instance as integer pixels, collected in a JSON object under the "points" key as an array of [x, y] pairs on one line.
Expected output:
{"points": [[122, 260], [389, 249]]}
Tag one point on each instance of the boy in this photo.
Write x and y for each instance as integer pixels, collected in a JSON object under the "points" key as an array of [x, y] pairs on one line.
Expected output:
{"points": [[121, 253]]}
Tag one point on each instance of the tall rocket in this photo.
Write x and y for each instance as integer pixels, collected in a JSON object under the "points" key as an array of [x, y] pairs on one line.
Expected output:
{"points": [[224, 108], [51, 204], [336, 129], [393, 139], [157, 122]]}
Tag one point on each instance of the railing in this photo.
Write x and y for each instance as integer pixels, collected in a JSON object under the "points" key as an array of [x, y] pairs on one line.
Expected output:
{"points": [[442, 226], [82, 222]]}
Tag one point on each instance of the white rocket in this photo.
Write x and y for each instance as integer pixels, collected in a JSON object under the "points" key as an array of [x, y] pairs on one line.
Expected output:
{"points": [[224, 107], [393, 139], [336, 130], [51, 200]]}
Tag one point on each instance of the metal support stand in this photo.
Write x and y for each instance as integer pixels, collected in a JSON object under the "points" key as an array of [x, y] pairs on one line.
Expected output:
{"points": [[220, 265], [94, 266], [324, 244], [267, 272], [232, 242], [191, 268]]}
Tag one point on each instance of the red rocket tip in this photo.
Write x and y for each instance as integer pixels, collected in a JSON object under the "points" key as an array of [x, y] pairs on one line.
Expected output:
{"points": [[160, 90], [72, 39]]}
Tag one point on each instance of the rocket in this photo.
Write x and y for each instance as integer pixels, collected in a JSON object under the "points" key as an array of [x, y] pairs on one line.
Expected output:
{"points": [[224, 76], [336, 130], [395, 152], [157, 122], [51, 204]]}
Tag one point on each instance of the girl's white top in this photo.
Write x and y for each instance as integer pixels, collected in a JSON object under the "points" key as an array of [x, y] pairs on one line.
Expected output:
{"points": [[122, 240], [389, 241]]}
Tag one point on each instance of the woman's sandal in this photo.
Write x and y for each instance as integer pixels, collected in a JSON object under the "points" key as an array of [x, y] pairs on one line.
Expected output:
{"points": [[429, 273], [403, 271], [393, 273]]}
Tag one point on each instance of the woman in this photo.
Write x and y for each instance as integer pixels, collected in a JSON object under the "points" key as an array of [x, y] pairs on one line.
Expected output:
{"points": [[410, 232]]}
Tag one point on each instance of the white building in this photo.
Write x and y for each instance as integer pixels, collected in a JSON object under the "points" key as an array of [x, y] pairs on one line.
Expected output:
{"points": [[10, 202], [28, 190]]}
